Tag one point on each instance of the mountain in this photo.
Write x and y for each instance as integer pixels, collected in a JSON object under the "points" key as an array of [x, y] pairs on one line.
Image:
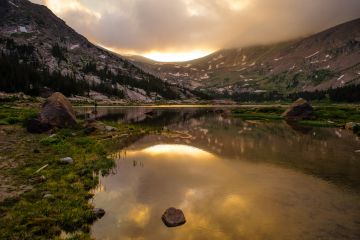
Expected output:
{"points": [[329, 59], [38, 50]]}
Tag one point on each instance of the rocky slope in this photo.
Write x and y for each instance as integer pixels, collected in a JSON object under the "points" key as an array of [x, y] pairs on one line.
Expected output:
{"points": [[329, 59], [38, 38]]}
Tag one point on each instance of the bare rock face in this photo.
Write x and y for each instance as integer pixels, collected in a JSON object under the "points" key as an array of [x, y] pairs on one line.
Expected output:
{"points": [[173, 217], [57, 111], [300, 109]]}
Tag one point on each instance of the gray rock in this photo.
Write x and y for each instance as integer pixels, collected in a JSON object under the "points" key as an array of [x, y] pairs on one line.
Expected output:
{"points": [[67, 160], [109, 128], [57, 111], [300, 109], [48, 195], [173, 217], [99, 212]]}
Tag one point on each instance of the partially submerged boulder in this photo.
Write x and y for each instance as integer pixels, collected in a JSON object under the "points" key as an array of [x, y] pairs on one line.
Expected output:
{"points": [[57, 111], [99, 212], [300, 109], [173, 217]]}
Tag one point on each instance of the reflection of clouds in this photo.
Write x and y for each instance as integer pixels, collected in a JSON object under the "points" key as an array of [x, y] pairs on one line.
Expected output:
{"points": [[237, 199], [221, 200], [140, 214]]}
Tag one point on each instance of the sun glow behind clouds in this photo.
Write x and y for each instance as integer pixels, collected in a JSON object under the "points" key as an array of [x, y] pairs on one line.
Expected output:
{"points": [[176, 56]]}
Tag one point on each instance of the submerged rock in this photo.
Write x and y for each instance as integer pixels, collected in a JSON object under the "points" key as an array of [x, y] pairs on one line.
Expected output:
{"points": [[57, 111], [173, 217], [99, 212], [300, 109], [67, 160]]}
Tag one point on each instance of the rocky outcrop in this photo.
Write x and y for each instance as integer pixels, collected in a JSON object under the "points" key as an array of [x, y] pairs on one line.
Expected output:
{"points": [[57, 111], [300, 109], [173, 217]]}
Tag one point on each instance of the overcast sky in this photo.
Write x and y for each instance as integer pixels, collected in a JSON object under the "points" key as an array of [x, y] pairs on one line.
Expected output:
{"points": [[142, 26]]}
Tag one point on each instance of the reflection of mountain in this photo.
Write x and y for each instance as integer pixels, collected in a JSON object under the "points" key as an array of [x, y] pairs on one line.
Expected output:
{"points": [[328, 153], [221, 199]]}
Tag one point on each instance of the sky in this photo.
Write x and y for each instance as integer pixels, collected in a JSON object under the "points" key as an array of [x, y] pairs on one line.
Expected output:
{"points": [[179, 30]]}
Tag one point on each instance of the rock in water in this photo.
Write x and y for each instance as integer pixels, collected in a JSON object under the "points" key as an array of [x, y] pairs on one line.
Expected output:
{"points": [[173, 217], [99, 212], [301, 109], [57, 111]]}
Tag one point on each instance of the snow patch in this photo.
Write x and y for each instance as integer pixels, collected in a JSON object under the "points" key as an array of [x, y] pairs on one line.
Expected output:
{"points": [[341, 77], [252, 64], [72, 47], [218, 57], [312, 55], [102, 56], [23, 29], [206, 76], [13, 4], [278, 59]]}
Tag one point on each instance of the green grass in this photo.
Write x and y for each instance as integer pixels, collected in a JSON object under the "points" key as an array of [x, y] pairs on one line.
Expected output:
{"points": [[324, 116], [259, 113], [13, 115], [31, 216]]}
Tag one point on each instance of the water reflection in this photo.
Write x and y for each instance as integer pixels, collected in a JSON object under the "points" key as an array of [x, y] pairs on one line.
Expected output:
{"points": [[234, 179], [222, 199]]}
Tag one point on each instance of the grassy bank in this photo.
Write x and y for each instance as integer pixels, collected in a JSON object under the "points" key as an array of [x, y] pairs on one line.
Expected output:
{"points": [[56, 199], [324, 116]]}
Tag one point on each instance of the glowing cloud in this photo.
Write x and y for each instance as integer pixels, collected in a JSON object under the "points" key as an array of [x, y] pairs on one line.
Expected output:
{"points": [[176, 57], [180, 30]]}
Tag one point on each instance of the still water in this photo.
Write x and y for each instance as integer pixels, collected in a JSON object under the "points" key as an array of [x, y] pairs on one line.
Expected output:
{"points": [[233, 179]]}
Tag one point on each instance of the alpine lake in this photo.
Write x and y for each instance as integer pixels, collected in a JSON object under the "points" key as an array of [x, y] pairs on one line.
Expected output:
{"points": [[232, 178]]}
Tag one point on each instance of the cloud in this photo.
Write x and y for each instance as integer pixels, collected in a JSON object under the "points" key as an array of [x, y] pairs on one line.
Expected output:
{"points": [[188, 25]]}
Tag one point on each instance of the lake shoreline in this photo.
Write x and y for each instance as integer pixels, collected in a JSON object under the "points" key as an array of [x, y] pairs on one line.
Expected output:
{"points": [[46, 202]]}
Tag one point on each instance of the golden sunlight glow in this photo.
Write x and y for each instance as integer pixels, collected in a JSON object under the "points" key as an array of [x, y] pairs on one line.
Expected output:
{"points": [[177, 149], [237, 5], [177, 56], [140, 215]]}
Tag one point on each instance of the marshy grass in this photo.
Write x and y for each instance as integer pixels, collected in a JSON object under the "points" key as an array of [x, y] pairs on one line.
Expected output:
{"points": [[58, 200]]}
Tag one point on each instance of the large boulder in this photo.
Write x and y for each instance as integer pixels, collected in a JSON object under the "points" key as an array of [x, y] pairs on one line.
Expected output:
{"points": [[300, 109], [173, 217], [57, 111]]}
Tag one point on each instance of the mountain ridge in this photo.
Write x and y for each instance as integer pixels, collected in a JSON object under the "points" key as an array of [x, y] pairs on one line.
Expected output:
{"points": [[58, 49], [328, 59]]}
